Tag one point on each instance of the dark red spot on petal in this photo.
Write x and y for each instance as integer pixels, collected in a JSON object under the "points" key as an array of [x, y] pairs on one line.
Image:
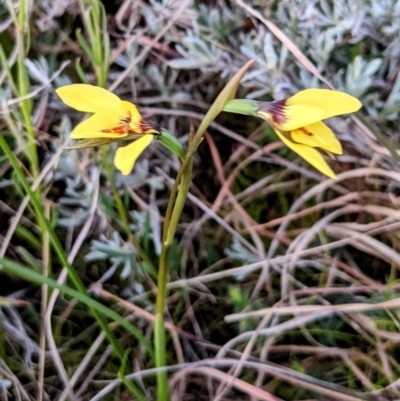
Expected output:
{"points": [[305, 131], [122, 127]]}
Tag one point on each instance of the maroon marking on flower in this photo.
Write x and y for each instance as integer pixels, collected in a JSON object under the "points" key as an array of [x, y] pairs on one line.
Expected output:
{"points": [[149, 125], [118, 129], [277, 111], [122, 127]]}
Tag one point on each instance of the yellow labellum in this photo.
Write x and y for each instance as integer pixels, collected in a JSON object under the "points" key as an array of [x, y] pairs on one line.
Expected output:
{"points": [[309, 154], [126, 156], [317, 135]]}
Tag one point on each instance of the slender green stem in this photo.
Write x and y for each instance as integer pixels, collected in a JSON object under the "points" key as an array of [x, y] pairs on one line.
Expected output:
{"points": [[160, 348], [170, 226], [175, 206]]}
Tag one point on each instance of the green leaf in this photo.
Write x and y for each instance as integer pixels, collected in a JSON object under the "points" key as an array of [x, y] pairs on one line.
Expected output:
{"points": [[29, 236], [80, 72], [28, 258], [23, 272], [171, 143]]}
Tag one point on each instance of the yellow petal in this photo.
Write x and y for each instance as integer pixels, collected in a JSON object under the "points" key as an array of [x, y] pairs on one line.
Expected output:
{"points": [[333, 103], [92, 127], [317, 135], [89, 98], [309, 154], [125, 157]]}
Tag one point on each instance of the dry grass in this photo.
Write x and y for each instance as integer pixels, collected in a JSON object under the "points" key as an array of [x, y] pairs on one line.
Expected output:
{"points": [[283, 284]]}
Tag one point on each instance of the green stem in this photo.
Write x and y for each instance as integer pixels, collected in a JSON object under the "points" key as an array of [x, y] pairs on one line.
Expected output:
{"points": [[170, 225], [175, 206], [160, 348], [174, 212]]}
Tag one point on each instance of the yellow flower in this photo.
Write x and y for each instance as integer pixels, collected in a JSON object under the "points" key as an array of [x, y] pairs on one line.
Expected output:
{"points": [[297, 122], [113, 120]]}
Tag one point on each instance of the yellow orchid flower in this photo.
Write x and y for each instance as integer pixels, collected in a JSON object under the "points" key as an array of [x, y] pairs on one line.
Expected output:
{"points": [[113, 120], [297, 122]]}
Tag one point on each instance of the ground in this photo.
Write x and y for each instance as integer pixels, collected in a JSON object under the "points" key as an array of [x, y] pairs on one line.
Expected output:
{"points": [[282, 283]]}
